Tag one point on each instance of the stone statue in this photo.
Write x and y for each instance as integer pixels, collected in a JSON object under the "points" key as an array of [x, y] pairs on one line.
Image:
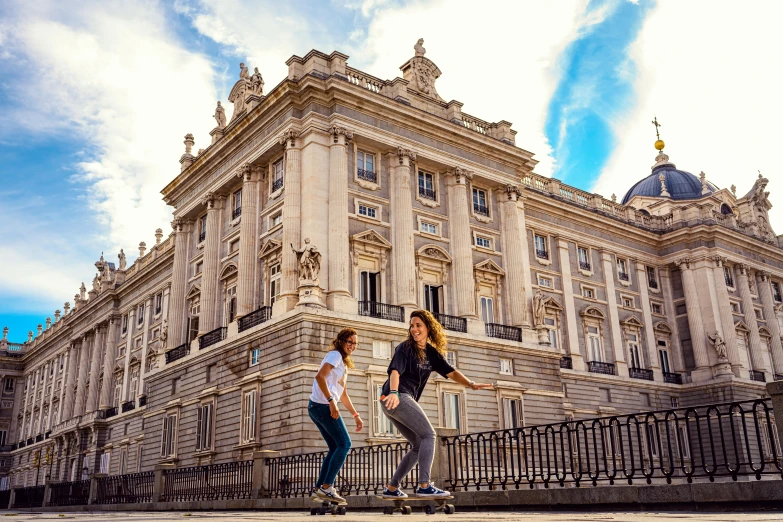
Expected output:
{"points": [[123, 262], [419, 47], [82, 292], [96, 283], [257, 82], [243, 74], [720, 347], [220, 116], [309, 259], [164, 333], [539, 308]]}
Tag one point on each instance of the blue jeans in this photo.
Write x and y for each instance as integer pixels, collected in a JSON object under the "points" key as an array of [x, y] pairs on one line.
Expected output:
{"points": [[336, 436]]}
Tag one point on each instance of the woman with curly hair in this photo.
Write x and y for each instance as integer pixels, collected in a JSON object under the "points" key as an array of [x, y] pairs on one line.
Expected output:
{"points": [[413, 361], [329, 385]]}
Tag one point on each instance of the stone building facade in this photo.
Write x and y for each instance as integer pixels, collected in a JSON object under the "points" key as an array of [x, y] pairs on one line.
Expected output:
{"points": [[575, 306]]}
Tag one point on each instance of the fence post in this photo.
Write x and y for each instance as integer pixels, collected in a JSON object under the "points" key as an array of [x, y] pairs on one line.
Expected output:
{"points": [[775, 390], [12, 498], [93, 495], [47, 494], [261, 472], [158, 482], [440, 464]]}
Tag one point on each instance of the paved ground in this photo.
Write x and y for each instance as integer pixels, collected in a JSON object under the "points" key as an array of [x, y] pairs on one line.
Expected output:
{"points": [[494, 516]]}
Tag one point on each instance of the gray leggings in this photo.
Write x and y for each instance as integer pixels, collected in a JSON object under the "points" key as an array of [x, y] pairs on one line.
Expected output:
{"points": [[412, 422]]}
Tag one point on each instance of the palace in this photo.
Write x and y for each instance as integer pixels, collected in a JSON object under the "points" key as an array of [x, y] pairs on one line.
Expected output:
{"points": [[339, 199]]}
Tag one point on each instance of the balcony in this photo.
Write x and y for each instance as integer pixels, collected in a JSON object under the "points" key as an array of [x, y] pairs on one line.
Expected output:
{"points": [[39, 437], [542, 254], [213, 337], [585, 265], [111, 412], [652, 283], [202, 236], [128, 406], [427, 193], [600, 367], [382, 311], [252, 319], [501, 331], [142, 401], [672, 378], [47, 434], [177, 353], [236, 213], [623, 276], [566, 362], [640, 373], [453, 323], [367, 175], [277, 185], [482, 210], [757, 376]]}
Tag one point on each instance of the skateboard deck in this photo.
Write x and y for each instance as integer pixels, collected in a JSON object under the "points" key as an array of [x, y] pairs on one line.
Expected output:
{"points": [[332, 507], [400, 506]]}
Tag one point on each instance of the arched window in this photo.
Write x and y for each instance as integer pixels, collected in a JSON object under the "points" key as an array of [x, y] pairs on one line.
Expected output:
{"points": [[726, 210]]}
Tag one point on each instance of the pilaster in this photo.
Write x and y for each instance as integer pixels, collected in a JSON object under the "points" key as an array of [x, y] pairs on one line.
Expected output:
{"points": [[250, 175], [728, 331], [703, 371], [108, 362], [84, 369], [462, 254], [70, 381], [209, 277], [292, 220], [339, 295], [649, 334], [179, 276], [577, 361], [768, 305], [512, 237], [95, 372], [621, 366], [402, 229], [757, 356]]}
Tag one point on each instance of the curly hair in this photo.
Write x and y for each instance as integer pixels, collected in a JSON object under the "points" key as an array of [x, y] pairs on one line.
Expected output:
{"points": [[338, 343], [435, 332]]}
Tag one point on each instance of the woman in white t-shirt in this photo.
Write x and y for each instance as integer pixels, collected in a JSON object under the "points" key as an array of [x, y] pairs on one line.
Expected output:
{"points": [[329, 385]]}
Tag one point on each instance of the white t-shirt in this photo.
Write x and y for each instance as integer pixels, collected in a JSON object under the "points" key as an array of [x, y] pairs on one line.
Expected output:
{"points": [[335, 381]]}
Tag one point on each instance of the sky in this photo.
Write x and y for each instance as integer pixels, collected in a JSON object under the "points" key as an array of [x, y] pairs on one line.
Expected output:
{"points": [[97, 95]]}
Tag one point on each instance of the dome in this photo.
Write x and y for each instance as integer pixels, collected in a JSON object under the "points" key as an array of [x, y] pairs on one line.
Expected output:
{"points": [[679, 183]]}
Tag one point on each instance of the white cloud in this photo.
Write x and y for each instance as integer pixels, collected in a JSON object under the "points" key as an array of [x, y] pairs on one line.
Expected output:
{"points": [[711, 74]]}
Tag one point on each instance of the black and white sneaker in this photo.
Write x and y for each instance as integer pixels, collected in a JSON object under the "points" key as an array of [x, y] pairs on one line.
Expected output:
{"points": [[397, 493], [431, 491], [329, 494]]}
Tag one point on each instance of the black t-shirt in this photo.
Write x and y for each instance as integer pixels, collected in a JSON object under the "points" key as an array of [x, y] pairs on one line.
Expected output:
{"points": [[414, 373]]}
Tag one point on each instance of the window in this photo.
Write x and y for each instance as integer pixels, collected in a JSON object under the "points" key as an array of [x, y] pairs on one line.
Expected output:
{"points": [[627, 301], [249, 416], [551, 324], [204, 427], [683, 442], [542, 252], [483, 242], [175, 385], [118, 394], [169, 436], [651, 431], [231, 304], [274, 283], [236, 209], [369, 286], [368, 211], [594, 344], [657, 308], [383, 425], [588, 292], [512, 414], [9, 385], [105, 462], [776, 291], [233, 246], [451, 412], [506, 366], [584, 258], [675, 402], [276, 219], [210, 372], [635, 359], [735, 308], [277, 175], [381, 349], [451, 358], [3, 437], [158, 303], [193, 321], [728, 275], [622, 270], [199, 268], [759, 314], [546, 282], [141, 314], [480, 201], [429, 228], [124, 323], [487, 310], [255, 356], [202, 228], [426, 186], [365, 164], [123, 462], [663, 355], [138, 458], [433, 296], [652, 278]]}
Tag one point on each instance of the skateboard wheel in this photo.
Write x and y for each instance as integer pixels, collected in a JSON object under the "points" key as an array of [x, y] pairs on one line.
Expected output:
{"points": [[428, 510], [341, 510], [407, 510], [313, 511], [388, 510], [449, 509]]}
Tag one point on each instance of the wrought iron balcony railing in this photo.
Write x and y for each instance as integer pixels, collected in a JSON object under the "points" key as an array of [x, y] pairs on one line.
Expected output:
{"points": [[672, 378], [542, 254], [367, 175], [382, 311], [453, 323], [202, 236], [758, 376], [111, 412], [600, 367], [128, 406], [252, 319], [623, 276], [177, 353], [427, 193], [566, 362], [236, 213], [480, 209], [142, 401], [277, 185], [640, 373], [585, 265], [652, 283], [213, 337], [501, 331]]}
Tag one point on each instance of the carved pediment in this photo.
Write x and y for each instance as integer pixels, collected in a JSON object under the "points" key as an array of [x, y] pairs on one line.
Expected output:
{"points": [[435, 252], [372, 237], [662, 327], [194, 291], [268, 247], [740, 326], [489, 266], [552, 304], [594, 312], [134, 361], [633, 322], [763, 330], [228, 271], [119, 368]]}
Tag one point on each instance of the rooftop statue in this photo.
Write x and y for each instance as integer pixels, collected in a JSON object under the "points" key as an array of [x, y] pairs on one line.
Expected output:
{"points": [[82, 292], [419, 47], [256, 82], [220, 116], [123, 262]]}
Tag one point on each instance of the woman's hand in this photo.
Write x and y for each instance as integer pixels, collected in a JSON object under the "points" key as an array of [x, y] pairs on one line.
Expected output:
{"points": [[334, 410], [391, 401], [479, 386], [359, 423]]}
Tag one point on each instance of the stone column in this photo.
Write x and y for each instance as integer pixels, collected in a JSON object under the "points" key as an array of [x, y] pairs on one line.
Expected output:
{"points": [[764, 286], [108, 362], [66, 362], [95, 368], [513, 239], [577, 361], [70, 382], [678, 363], [728, 333], [25, 405], [702, 372], [649, 333], [209, 277], [404, 260], [621, 367], [13, 429], [179, 279], [39, 424], [459, 233], [84, 371], [339, 292], [31, 427], [248, 236], [53, 392], [758, 359], [292, 217]]}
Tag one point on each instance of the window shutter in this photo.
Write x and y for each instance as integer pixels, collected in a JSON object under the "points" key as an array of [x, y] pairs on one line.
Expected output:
{"points": [[208, 430], [163, 437], [199, 426]]}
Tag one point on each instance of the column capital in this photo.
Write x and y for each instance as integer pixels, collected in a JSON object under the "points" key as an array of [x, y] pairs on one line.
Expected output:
{"points": [[249, 173], [340, 135], [744, 269], [684, 263], [719, 261], [288, 138], [764, 275], [405, 156], [179, 225], [513, 192]]}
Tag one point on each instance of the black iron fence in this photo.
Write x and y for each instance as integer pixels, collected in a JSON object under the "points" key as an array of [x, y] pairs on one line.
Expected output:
{"points": [[640, 373], [111, 412], [427, 193], [366, 471], [128, 406], [501, 331], [672, 378], [277, 184], [177, 353], [367, 175], [758, 376], [230, 480], [30, 497], [453, 323], [252, 319], [600, 367], [567, 362], [212, 337], [707, 442], [125, 489], [5, 498], [382, 311], [69, 493]]}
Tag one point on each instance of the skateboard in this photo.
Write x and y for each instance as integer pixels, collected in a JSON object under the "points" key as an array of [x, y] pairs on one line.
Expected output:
{"points": [[401, 507], [332, 507]]}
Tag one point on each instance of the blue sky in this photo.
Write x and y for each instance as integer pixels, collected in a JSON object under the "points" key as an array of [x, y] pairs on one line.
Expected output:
{"points": [[95, 98]]}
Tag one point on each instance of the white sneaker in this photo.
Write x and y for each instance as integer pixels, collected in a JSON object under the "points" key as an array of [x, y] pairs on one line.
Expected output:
{"points": [[329, 494]]}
